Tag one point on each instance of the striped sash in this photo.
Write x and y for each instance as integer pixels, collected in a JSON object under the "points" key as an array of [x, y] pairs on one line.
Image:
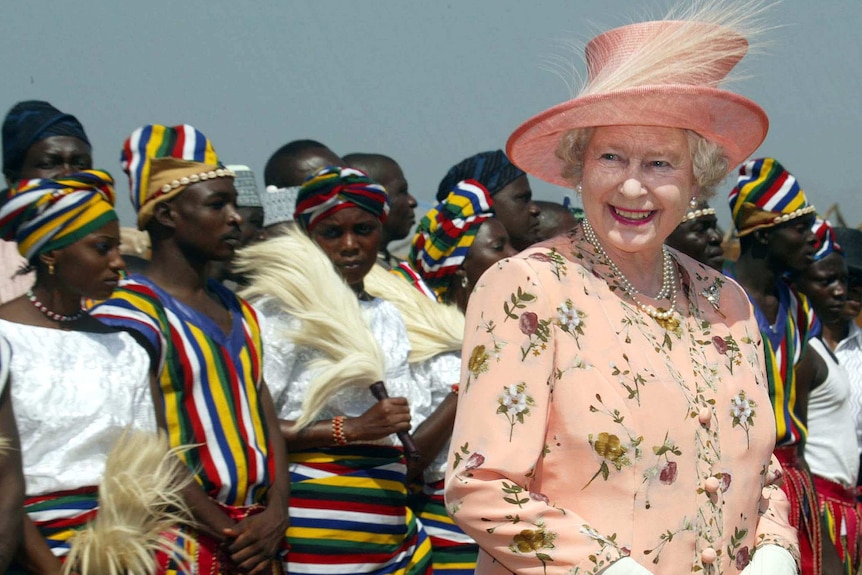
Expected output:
{"points": [[452, 551], [349, 514], [59, 516]]}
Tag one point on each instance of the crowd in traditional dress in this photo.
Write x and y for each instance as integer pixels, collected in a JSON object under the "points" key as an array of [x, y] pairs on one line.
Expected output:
{"points": [[258, 379]]}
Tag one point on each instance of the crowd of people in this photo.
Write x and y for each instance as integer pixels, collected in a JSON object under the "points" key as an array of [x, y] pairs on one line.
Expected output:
{"points": [[527, 388]]}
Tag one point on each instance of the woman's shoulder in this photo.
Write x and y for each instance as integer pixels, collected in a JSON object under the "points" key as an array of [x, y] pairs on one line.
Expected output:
{"points": [[559, 260], [712, 289]]}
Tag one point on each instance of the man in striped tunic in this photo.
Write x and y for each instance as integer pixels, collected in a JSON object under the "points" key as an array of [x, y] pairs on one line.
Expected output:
{"points": [[211, 397]]}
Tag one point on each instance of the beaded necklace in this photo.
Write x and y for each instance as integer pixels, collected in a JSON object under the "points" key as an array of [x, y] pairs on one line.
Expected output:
{"points": [[664, 317], [52, 314]]}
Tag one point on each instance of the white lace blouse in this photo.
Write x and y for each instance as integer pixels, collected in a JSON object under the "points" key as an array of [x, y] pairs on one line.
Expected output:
{"points": [[437, 375], [74, 394], [285, 365]]}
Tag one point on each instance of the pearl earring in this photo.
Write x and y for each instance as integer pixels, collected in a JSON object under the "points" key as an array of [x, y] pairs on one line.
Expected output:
{"points": [[579, 189], [692, 203], [464, 282]]}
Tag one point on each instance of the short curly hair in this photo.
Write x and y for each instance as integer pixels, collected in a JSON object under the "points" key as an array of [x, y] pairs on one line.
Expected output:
{"points": [[709, 160]]}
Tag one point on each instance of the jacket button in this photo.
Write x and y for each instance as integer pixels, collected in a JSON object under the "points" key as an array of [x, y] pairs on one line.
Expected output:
{"points": [[704, 416], [708, 556], [711, 484]]}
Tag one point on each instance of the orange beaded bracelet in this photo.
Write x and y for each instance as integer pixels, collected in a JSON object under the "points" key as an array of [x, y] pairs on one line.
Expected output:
{"points": [[338, 430]]}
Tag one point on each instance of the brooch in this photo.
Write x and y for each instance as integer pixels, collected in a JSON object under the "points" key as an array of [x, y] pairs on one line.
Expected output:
{"points": [[712, 294]]}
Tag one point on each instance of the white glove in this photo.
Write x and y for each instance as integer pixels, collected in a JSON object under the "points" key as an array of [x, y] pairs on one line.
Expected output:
{"points": [[771, 560], [626, 566]]}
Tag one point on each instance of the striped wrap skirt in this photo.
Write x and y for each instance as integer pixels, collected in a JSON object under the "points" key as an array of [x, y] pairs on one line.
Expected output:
{"points": [[349, 514], [453, 552]]}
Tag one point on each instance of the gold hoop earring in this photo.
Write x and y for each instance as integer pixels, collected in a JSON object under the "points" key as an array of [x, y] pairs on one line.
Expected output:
{"points": [[464, 282]]}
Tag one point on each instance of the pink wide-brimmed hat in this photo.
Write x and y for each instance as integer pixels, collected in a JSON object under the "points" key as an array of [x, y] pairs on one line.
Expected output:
{"points": [[663, 73]]}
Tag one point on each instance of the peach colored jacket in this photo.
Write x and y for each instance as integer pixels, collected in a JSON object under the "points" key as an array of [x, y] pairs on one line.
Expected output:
{"points": [[587, 432], [12, 285]]}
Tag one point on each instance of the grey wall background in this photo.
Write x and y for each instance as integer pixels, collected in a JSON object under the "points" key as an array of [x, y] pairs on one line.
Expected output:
{"points": [[426, 82]]}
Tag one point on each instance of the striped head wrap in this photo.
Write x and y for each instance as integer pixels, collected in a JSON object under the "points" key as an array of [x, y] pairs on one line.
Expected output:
{"points": [[445, 234], [334, 188], [766, 195], [162, 161], [826, 242], [43, 215], [30, 122], [493, 170]]}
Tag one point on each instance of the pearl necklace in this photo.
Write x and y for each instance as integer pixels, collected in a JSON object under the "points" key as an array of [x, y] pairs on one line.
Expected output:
{"points": [[664, 317], [52, 314]]}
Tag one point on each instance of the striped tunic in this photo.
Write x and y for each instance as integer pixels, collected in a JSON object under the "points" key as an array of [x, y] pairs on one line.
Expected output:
{"points": [[209, 384], [784, 343]]}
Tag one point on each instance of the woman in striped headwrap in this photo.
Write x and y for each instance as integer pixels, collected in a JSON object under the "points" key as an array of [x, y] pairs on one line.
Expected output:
{"points": [[206, 341], [77, 383], [348, 503], [455, 242]]}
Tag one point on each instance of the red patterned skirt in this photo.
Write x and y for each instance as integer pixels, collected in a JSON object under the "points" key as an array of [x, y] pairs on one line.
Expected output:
{"points": [[838, 506], [804, 508]]}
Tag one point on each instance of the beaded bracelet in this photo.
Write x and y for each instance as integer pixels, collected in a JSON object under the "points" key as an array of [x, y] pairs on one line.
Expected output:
{"points": [[338, 430]]}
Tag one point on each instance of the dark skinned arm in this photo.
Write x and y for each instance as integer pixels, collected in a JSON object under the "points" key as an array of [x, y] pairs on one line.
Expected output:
{"points": [[257, 539], [11, 483], [34, 553], [432, 435], [381, 419]]}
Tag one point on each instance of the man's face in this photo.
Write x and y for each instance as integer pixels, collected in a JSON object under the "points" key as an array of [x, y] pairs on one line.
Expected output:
{"points": [[401, 216]]}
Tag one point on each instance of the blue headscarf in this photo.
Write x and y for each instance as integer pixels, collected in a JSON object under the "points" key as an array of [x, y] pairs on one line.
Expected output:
{"points": [[491, 169], [30, 122]]}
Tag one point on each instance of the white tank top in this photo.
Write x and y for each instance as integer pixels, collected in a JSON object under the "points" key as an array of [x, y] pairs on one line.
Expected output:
{"points": [[831, 450]]}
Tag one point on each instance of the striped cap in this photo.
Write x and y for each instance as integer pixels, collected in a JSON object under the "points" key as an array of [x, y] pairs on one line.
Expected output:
{"points": [[334, 188], [445, 234], [826, 243], [161, 161], [42, 214], [766, 194]]}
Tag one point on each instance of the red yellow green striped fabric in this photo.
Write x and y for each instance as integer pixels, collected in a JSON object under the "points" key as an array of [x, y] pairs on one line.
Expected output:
{"points": [[43, 215], [59, 516], [210, 382], [349, 514], [784, 342], [453, 552]]}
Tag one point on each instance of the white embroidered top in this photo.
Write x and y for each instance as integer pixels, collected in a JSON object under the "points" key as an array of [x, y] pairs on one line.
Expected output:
{"points": [[74, 394], [288, 376]]}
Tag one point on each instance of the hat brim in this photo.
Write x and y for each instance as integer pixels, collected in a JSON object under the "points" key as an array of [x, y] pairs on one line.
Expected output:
{"points": [[736, 123]]}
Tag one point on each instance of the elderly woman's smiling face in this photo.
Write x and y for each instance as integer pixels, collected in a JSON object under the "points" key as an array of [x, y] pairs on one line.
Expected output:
{"points": [[637, 183]]}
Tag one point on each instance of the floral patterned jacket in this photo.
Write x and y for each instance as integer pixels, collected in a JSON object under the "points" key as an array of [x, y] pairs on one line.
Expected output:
{"points": [[587, 432]]}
